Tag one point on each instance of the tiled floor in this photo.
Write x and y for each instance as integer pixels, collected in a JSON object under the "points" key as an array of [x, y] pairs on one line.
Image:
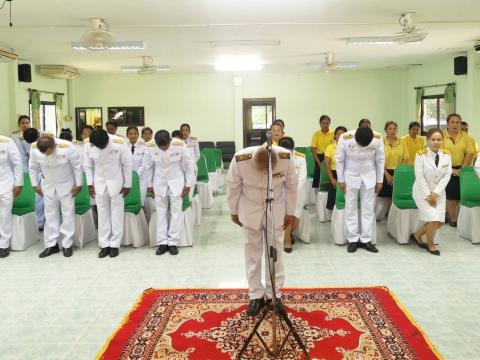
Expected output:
{"points": [[58, 308]]}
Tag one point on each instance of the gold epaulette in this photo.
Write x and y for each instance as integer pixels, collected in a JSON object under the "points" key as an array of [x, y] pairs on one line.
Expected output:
{"points": [[284, 155], [34, 145], [76, 142], [347, 136], [5, 139], [86, 140], [15, 132], [118, 141], [151, 143], [193, 138], [445, 151], [243, 157], [63, 145], [48, 133], [141, 142], [178, 143], [422, 152], [377, 136], [299, 154]]}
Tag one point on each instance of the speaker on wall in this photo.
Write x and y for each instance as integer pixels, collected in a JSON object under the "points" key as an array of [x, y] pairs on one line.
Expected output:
{"points": [[460, 65], [24, 73]]}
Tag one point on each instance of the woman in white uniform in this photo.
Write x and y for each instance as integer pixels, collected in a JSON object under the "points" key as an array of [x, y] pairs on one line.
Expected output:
{"points": [[137, 148], [433, 167]]}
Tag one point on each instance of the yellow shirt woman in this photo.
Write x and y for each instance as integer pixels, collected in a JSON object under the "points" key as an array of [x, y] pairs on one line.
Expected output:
{"points": [[413, 146], [395, 154], [459, 147], [330, 152], [321, 140]]}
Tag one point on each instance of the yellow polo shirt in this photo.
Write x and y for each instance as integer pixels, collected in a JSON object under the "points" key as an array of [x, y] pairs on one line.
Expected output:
{"points": [[330, 152], [413, 146], [459, 147], [321, 140], [395, 154]]}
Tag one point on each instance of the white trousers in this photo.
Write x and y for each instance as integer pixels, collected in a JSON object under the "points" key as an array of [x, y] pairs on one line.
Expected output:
{"points": [[110, 219], [59, 219], [6, 204], [254, 252], [168, 234], [39, 210], [362, 232]]}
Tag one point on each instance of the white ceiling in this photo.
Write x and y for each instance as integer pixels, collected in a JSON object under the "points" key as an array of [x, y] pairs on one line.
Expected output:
{"points": [[177, 32]]}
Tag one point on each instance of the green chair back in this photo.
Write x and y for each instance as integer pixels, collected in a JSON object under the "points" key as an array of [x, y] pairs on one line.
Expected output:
{"points": [[324, 180], [469, 187], [210, 157], [185, 202], [133, 201], [82, 200], [403, 180], [202, 174], [218, 158], [25, 202], [310, 164], [302, 149]]}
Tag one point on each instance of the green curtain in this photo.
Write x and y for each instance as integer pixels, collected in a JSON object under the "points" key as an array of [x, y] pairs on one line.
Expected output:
{"points": [[449, 99], [418, 103], [58, 111], [35, 100]]}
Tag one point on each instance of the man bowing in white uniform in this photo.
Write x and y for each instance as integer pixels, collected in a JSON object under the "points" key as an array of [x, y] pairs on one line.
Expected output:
{"points": [[360, 161], [247, 190], [59, 167], [108, 168], [168, 168]]}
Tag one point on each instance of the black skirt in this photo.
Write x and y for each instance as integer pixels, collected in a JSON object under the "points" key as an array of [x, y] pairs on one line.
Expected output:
{"points": [[316, 172], [453, 187], [332, 193], [387, 189]]}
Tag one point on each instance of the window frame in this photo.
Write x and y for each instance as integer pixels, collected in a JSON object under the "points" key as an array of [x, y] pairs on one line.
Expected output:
{"points": [[429, 97], [42, 109], [127, 121]]}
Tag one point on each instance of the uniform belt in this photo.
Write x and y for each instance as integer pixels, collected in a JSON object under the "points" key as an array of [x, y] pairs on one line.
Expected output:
{"points": [[457, 167]]}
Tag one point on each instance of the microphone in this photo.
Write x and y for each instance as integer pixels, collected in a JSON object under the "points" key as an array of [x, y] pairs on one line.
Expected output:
{"points": [[269, 139]]}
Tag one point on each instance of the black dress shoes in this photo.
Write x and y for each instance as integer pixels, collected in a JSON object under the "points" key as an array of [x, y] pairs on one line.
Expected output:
{"points": [[49, 251], [288, 250], [173, 250], [113, 252], [419, 243], [162, 249], [104, 252], [255, 306], [453, 224], [280, 307], [370, 247], [433, 252], [352, 247], [67, 252], [4, 253]]}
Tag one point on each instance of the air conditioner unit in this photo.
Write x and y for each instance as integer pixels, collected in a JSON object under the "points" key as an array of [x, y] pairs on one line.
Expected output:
{"points": [[58, 71], [7, 55]]}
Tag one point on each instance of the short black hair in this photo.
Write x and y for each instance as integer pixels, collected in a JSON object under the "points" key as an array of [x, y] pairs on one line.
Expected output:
{"points": [[31, 135], [99, 138], [282, 123], [131, 128], [86, 127], [21, 117], [287, 143], [464, 123], [162, 138], [176, 134], [45, 142], [449, 117], [364, 121], [66, 134], [338, 128], [413, 124], [364, 136], [112, 122], [325, 117], [145, 129], [185, 124]]}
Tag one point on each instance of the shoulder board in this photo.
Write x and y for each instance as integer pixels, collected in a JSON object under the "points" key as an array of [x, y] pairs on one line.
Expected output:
{"points": [[347, 136], [34, 145], [299, 154], [178, 143], [151, 143], [118, 141], [76, 142], [47, 133], [377, 136], [141, 142], [63, 145], [445, 151], [284, 155], [243, 157], [15, 132], [86, 140], [5, 139], [422, 152], [193, 138]]}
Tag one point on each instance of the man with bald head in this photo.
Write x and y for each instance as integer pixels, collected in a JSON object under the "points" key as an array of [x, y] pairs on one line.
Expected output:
{"points": [[247, 191]]}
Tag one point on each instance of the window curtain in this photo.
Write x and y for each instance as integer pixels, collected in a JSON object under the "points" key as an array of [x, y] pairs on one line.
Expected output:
{"points": [[58, 111], [35, 100], [449, 95], [418, 103]]}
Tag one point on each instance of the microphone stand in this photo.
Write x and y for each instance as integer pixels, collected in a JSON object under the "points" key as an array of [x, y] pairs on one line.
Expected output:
{"points": [[278, 315]]}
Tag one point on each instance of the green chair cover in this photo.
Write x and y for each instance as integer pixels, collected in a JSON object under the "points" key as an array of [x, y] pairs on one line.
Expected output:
{"points": [[218, 158], [302, 149], [210, 156], [25, 202], [403, 180], [310, 164], [324, 180], [469, 187], [82, 201], [133, 201], [185, 202], [340, 199], [202, 174]]}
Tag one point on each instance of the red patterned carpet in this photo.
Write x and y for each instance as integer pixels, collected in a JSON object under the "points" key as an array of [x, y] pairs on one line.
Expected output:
{"points": [[343, 323]]}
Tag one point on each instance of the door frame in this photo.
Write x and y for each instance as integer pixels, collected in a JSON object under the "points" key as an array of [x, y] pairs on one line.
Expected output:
{"points": [[256, 101]]}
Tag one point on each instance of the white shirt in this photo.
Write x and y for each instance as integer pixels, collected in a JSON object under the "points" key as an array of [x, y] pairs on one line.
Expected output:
{"points": [[429, 177], [193, 142], [247, 188], [301, 170], [11, 167], [23, 148], [138, 153], [357, 164]]}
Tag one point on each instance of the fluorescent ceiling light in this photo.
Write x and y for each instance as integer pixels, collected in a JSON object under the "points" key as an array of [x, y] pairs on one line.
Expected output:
{"points": [[235, 43], [408, 38], [153, 68], [118, 45], [238, 63]]}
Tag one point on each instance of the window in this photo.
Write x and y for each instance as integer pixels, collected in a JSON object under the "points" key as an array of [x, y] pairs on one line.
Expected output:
{"points": [[127, 115], [48, 118], [433, 113], [258, 115], [88, 116]]}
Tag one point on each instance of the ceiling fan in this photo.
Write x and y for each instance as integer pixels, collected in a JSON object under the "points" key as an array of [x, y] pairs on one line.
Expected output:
{"points": [[99, 37], [408, 34], [147, 67], [331, 65]]}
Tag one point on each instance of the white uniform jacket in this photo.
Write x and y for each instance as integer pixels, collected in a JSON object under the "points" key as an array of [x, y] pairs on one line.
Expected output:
{"points": [[11, 167], [430, 178], [193, 142]]}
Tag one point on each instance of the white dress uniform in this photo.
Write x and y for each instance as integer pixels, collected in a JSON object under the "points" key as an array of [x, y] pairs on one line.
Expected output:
{"points": [[138, 151], [477, 166], [60, 172], [360, 168], [11, 174], [246, 193], [109, 170], [168, 172], [79, 147], [431, 178], [193, 142], [301, 169]]}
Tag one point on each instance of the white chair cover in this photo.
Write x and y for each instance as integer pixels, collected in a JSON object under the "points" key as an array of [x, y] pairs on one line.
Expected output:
{"points": [[468, 223], [24, 231], [401, 223], [324, 214], [149, 208], [305, 227], [220, 179], [196, 205], [135, 229], [84, 229], [339, 230], [380, 208], [310, 193], [213, 181], [205, 193], [186, 236]]}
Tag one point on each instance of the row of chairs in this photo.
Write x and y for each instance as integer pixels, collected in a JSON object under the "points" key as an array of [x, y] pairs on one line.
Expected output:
{"points": [[227, 149]]}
